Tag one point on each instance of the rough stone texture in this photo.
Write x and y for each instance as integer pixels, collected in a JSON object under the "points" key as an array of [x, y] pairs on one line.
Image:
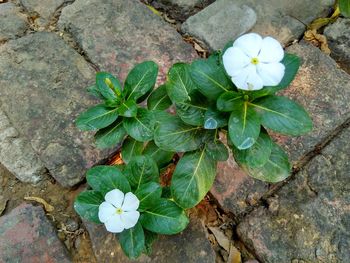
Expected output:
{"points": [[190, 246], [26, 235], [338, 36], [18, 155], [12, 22], [309, 218], [42, 90], [282, 19], [219, 23], [117, 34], [314, 88]]}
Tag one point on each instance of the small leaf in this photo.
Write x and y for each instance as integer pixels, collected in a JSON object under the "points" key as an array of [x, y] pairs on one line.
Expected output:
{"points": [[140, 80], [217, 150], [128, 109], [130, 149], [108, 86], [228, 100], [105, 178], [214, 119], [111, 135], [86, 205], [192, 112], [132, 241], [159, 99], [161, 157], [165, 217], [344, 6], [148, 194], [141, 127], [97, 117]]}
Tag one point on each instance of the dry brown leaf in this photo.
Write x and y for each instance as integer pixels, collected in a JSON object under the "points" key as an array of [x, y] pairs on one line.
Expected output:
{"points": [[222, 240], [317, 40], [116, 159], [48, 208], [234, 256]]}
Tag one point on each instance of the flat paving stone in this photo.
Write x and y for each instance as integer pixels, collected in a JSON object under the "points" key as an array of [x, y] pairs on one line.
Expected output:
{"points": [[324, 90], [26, 235], [42, 90], [12, 22], [117, 34], [308, 220], [190, 246]]}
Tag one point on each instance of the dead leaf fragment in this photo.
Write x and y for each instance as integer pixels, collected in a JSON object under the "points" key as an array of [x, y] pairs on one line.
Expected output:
{"points": [[317, 40], [222, 240], [3, 204], [234, 256], [48, 208]]}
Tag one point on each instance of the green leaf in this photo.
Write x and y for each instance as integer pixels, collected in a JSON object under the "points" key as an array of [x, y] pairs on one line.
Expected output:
{"points": [[257, 155], [344, 6], [179, 84], [214, 119], [174, 135], [276, 169], [160, 156], [228, 100], [192, 179], [141, 127], [150, 237], [105, 178], [166, 192], [159, 99], [97, 117], [128, 109], [86, 205], [132, 241], [244, 126], [210, 77], [217, 150], [130, 149], [93, 90], [111, 135], [140, 170], [108, 86], [140, 80], [148, 194], [283, 115], [165, 217]]}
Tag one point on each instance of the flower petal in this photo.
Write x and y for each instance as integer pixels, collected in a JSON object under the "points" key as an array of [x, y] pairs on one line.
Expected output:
{"points": [[115, 197], [248, 79], [105, 211], [130, 219], [249, 43], [234, 59], [271, 73], [114, 224], [271, 50], [131, 202]]}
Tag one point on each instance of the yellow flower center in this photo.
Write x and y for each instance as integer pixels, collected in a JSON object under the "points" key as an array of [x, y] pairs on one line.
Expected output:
{"points": [[119, 211], [254, 61]]}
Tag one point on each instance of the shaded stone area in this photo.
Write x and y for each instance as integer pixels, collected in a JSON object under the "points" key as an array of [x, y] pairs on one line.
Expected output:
{"points": [[314, 88], [308, 220], [43, 89], [189, 246], [117, 34], [26, 235], [12, 22]]}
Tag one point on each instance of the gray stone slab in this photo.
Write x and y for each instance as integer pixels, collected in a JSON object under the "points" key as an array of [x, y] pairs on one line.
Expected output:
{"points": [[42, 90], [12, 22], [308, 220], [117, 34], [324, 90]]}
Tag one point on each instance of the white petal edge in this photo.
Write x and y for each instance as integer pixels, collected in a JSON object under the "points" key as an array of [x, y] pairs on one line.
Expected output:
{"points": [[114, 224], [248, 79], [105, 211], [271, 73], [234, 59], [271, 50], [249, 43], [130, 219], [131, 202], [115, 197]]}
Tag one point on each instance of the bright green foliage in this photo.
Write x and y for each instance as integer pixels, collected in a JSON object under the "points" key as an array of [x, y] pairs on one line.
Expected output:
{"points": [[132, 241], [344, 6]]}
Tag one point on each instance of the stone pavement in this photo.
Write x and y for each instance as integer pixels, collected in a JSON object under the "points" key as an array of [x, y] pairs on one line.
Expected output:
{"points": [[43, 80]]}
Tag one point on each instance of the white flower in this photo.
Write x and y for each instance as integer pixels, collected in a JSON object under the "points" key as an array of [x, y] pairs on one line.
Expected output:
{"points": [[119, 212], [253, 62]]}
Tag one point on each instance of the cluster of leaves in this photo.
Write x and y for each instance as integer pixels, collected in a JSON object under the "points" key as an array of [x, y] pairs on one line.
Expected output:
{"points": [[158, 214]]}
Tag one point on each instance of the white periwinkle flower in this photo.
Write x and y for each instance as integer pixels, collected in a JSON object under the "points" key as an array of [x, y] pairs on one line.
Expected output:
{"points": [[119, 211], [253, 62]]}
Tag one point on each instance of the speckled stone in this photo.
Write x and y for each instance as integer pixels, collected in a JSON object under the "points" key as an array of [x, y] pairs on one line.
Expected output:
{"points": [[12, 22]]}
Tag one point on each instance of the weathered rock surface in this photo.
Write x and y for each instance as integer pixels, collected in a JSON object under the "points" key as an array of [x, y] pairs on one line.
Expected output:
{"points": [[308, 220], [190, 246], [12, 22], [338, 36], [220, 22], [43, 89], [26, 235], [117, 34], [314, 88]]}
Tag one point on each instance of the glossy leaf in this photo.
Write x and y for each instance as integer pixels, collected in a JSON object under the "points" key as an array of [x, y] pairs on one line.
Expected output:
{"points": [[150, 238], [344, 6], [132, 241], [159, 99], [140, 80], [111, 135], [193, 177], [148, 194], [128, 109], [108, 86], [131, 148], [141, 127], [214, 119], [217, 150], [160, 156], [97, 117], [165, 217], [86, 205], [228, 100]]}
